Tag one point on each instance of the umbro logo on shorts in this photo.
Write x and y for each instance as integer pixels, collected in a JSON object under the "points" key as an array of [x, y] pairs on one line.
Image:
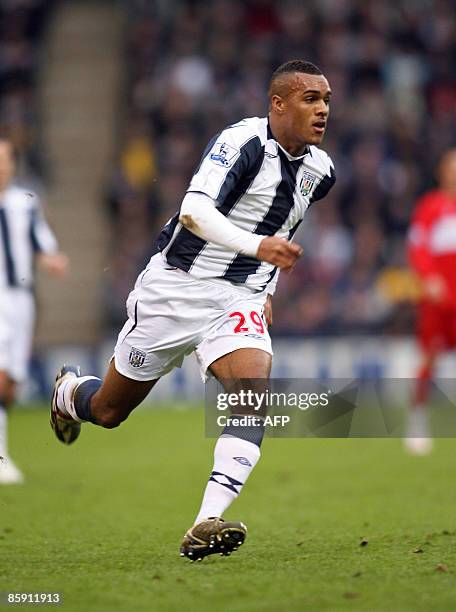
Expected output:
{"points": [[137, 357], [256, 336]]}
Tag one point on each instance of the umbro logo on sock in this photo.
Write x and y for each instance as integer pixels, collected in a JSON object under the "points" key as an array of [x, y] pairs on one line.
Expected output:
{"points": [[243, 461]]}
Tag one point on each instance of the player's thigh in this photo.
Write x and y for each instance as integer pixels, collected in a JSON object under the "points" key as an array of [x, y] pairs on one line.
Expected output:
{"points": [[238, 344], [243, 363], [119, 394], [245, 369]]}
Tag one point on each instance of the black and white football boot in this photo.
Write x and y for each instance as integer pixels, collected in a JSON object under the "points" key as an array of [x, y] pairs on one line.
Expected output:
{"points": [[212, 536], [64, 426]]}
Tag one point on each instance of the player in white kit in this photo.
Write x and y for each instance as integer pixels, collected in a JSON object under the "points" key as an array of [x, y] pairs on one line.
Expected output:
{"points": [[25, 238], [208, 288]]}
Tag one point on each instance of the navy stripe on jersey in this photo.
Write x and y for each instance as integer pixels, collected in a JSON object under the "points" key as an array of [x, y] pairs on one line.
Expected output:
{"points": [[186, 246], [243, 265], [291, 233], [9, 261], [167, 233], [184, 249], [270, 277], [33, 237], [323, 187], [241, 175], [293, 230]]}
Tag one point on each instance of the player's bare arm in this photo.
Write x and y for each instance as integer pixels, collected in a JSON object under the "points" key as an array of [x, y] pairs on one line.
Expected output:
{"points": [[55, 264], [279, 252], [200, 216]]}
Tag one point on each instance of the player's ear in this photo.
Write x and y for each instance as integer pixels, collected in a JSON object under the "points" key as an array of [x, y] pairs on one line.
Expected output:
{"points": [[277, 104]]}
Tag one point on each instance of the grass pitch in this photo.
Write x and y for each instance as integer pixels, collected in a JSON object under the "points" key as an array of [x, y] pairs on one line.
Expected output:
{"points": [[333, 524]]}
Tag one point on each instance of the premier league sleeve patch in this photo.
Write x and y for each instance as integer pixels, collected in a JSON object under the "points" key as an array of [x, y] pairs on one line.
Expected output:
{"points": [[137, 357], [223, 154]]}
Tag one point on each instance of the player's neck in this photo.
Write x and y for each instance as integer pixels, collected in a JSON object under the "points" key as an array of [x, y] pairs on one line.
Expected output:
{"points": [[296, 149]]}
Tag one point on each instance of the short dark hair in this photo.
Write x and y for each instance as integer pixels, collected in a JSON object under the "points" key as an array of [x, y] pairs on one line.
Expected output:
{"points": [[296, 66], [290, 67]]}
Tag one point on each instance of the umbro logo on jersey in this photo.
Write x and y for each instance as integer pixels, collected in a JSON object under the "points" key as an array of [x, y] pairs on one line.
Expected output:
{"points": [[307, 183], [270, 155], [223, 154], [137, 357], [243, 461]]}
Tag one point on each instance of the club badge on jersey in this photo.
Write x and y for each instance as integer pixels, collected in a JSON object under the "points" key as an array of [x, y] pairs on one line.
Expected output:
{"points": [[307, 182]]}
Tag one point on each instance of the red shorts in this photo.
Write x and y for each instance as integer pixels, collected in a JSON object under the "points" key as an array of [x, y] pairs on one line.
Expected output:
{"points": [[436, 327]]}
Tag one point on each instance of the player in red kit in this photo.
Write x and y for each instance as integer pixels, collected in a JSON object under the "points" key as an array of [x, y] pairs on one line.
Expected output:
{"points": [[432, 255]]}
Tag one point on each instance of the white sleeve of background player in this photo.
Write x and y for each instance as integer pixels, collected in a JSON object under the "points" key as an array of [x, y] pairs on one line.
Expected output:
{"points": [[200, 216], [42, 236]]}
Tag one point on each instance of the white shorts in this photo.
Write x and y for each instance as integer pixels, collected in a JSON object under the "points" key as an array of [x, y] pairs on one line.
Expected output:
{"points": [[17, 320], [171, 314]]}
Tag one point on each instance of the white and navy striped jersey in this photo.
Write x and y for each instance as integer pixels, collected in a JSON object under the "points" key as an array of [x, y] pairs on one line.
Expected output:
{"points": [[260, 188], [23, 233]]}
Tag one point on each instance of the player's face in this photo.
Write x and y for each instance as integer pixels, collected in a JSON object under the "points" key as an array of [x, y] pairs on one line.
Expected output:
{"points": [[306, 108], [7, 165]]}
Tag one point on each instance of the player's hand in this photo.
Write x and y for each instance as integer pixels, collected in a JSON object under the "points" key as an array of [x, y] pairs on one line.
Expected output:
{"points": [[267, 310], [279, 252], [434, 288], [55, 264]]}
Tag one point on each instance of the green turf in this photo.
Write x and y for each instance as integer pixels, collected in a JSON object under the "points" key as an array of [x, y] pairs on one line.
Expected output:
{"points": [[101, 521]]}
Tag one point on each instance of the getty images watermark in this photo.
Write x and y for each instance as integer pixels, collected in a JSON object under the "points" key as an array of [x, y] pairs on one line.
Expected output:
{"points": [[262, 401], [331, 408]]}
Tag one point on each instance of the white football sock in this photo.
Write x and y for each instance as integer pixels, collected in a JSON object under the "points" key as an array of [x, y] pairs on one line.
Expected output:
{"points": [[3, 432], [234, 459], [65, 395]]}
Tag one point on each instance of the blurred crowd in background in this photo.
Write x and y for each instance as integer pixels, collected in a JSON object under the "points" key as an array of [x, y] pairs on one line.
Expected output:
{"points": [[194, 66], [22, 26]]}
